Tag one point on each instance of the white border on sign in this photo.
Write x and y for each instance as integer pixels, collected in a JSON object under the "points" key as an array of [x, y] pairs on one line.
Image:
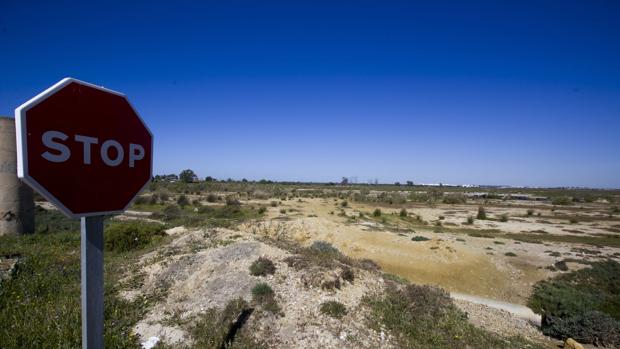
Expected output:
{"points": [[22, 148]]}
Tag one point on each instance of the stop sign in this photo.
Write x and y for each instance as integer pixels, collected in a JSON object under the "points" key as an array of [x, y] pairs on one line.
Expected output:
{"points": [[83, 147]]}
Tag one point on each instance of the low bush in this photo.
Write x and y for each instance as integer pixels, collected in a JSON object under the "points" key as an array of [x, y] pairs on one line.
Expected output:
{"points": [[182, 201], [503, 218], [561, 201], [419, 238], [470, 219], [403, 213], [171, 212], [454, 199], [482, 214], [591, 327], [261, 291], [262, 210], [561, 265], [347, 274], [583, 304], [344, 204], [510, 254], [211, 198], [263, 295], [376, 213], [425, 317], [262, 266], [141, 200], [334, 309], [214, 328], [127, 236], [530, 212]]}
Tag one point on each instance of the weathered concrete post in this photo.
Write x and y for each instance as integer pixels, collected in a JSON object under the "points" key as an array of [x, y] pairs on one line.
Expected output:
{"points": [[16, 200]]}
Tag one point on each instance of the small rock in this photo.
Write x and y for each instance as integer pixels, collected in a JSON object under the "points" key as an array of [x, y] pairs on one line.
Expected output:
{"points": [[572, 344], [150, 343]]}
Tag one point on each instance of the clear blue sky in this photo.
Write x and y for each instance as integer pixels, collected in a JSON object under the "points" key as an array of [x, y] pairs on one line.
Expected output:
{"points": [[493, 92]]}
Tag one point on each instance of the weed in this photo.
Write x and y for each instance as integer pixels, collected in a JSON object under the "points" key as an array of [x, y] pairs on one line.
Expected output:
{"points": [[510, 254], [263, 294], [347, 274], [481, 213], [262, 266], [403, 213], [376, 213], [220, 329], [182, 201], [132, 235], [419, 238], [334, 309], [425, 317]]}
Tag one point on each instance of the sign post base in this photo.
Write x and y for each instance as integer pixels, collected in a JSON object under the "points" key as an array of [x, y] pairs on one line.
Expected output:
{"points": [[92, 281]]}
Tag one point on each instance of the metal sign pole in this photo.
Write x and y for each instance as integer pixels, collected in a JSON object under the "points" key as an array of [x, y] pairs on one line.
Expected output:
{"points": [[92, 282]]}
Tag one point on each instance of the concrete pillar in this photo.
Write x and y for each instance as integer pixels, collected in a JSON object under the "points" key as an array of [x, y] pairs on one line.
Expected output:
{"points": [[16, 201]]}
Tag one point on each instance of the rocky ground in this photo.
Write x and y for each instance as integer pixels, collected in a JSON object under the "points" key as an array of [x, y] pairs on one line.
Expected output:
{"points": [[205, 269]]}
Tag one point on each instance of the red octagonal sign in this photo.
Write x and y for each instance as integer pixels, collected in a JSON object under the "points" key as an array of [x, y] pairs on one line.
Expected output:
{"points": [[83, 147]]}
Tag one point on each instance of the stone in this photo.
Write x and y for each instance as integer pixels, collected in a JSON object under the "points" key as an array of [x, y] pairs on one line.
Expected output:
{"points": [[572, 344]]}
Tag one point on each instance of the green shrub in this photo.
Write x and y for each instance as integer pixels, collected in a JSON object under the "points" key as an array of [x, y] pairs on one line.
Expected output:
{"points": [[262, 210], [283, 211], [572, 302], [470, 219], [196, 203], [561, 265], [454, 199], [561, 200], [376, 213], [344, 204], [573, 220], [334, 309], [274, 204], [403, 213], [182, 201], [592, 327], [324, 247], [141, 200], [171, 212], [262, 266], [503, 218], [212, 329], [261, 290], [153, 200], [530, 212], [510, 254], [419, 238], [425, 317], [211, 198], [347, 274], [127, 236], [263, 295], [481, 213], [232, 200]]}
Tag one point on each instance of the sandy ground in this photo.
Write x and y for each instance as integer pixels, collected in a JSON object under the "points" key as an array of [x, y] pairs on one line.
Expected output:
{"points": [[456, 262]]}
